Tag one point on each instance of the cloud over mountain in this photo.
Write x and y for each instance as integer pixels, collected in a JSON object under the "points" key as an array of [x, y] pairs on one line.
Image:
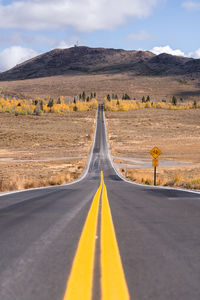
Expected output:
{"points": [[167, 49], [12, 56]]}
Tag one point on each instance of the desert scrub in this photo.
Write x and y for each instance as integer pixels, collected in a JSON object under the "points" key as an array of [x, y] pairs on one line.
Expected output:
{"points": [[138, 177], [180, 178], [128, 105], [193, 183], [38, 107], [13, 182]]}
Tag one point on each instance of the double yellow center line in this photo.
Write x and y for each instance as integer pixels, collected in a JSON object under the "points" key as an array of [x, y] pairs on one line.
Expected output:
{"points": [[113, 283]]}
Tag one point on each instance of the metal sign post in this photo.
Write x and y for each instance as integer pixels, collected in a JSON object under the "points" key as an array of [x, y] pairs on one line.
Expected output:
{"points": [[155, 152]]}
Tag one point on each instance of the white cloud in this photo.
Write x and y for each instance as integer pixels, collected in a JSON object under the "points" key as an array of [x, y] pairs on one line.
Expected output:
{"points": [[84, 15], [140, 36], [168, 50], [195, 54], [64, 44], [67, 43], [12, 56], [191, 5]]}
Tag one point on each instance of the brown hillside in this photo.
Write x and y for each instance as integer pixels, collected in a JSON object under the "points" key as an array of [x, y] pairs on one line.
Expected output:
{"points": [[77, 60]]}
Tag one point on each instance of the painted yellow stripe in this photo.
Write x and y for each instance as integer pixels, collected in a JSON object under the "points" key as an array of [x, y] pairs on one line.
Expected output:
{"points": [[113, 282], [80, 282]]}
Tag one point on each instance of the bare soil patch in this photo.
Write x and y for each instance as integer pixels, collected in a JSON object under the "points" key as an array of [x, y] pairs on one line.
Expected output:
{"points": [[43, 150], [177, 133], [157, 87]]}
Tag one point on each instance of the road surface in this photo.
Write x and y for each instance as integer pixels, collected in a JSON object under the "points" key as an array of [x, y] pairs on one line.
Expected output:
{"points": [[101, 238]]}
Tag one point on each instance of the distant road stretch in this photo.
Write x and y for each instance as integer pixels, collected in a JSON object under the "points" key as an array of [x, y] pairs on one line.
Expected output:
{"points": [[100, 238]]}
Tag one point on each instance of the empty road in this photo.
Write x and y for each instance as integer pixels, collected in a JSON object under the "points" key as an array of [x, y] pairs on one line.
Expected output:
{"points": [[100, 238]]}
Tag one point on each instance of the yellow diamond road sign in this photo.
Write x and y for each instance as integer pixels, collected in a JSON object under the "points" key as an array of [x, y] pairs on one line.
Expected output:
{"points": [[155, 152]]}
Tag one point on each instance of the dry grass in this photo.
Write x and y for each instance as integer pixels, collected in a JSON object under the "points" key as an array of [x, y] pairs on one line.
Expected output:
{"points": [[182, 177], [157, 88], [43, 150], [15, 176], [135, 133], [176, 133]]}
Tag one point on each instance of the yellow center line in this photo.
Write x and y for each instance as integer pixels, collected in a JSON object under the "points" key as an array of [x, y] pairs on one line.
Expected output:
{"points": [[80, 281], [113, 282]]}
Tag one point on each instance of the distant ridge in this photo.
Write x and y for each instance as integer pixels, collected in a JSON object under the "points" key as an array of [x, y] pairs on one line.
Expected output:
{"points": [[85, 60]]}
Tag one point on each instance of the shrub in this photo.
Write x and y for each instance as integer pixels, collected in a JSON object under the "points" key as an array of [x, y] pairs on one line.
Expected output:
{"points": [[50, 104], [84, 96], [195, 104], [108, 97], [174, 100], [41, 105], [37, 111]]}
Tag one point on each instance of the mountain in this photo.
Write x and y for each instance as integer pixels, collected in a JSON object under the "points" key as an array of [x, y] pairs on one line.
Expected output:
{"points": [[85, 60], [166, 64]]}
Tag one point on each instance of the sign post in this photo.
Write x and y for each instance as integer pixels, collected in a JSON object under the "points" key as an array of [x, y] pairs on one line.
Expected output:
{"points": [[155, 152], [155, 176]]}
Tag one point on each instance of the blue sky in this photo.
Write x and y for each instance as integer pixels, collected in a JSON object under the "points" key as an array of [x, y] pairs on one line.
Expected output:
{"points": [[31, 27]]}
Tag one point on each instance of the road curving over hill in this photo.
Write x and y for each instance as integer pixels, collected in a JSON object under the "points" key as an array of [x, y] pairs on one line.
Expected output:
{"points": [[100, 238]]}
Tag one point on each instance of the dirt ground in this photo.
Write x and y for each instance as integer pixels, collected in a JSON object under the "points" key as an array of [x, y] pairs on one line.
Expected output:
{"points": [[177, 134], [157, 88], [43, 150]]}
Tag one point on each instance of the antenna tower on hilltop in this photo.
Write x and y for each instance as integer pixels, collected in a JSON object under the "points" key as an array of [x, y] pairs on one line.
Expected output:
{"points": [[76, 44]]}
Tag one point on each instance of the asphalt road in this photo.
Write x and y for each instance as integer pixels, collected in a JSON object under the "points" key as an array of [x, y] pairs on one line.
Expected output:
{"points": [[157, 231]]}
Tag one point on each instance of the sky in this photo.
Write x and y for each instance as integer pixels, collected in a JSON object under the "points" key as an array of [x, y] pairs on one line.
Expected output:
{"points": [[31, 27]]}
